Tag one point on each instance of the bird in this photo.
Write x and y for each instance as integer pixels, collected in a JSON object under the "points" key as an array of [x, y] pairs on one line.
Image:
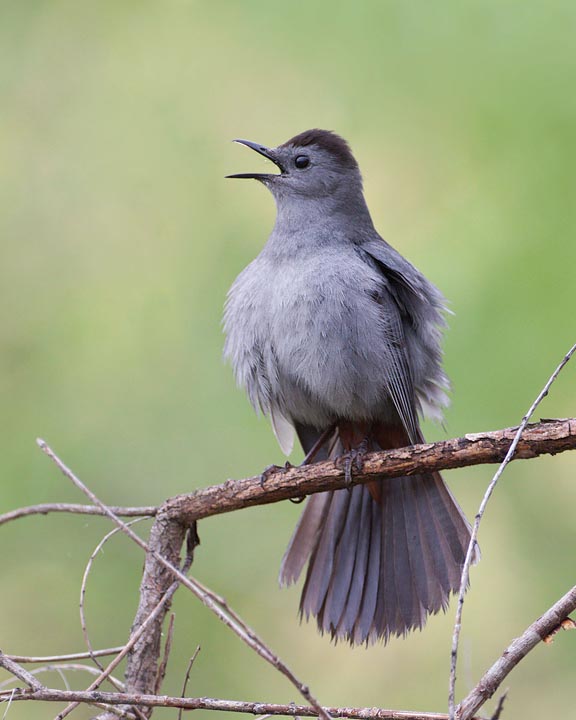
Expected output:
{"points": [[336, 337]]}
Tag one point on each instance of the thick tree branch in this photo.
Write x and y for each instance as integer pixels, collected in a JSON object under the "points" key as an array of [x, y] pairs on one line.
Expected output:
{"points": [[545, 437]]}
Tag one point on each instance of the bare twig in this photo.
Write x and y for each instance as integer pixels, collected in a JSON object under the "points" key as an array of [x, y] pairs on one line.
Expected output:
{"points": [[249, 637], [75, 509], [539, 631], [167, 648], [19, 672], [9, 703], [498, 711], [512, 451], [187, 677], [63, 658], [59, 668], [251, 708]]}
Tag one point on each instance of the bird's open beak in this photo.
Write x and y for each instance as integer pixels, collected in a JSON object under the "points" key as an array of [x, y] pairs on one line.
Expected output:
{"points": [[268, 153]]}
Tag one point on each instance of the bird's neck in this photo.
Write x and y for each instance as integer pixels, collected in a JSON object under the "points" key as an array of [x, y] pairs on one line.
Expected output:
{"points": [[347, 213]]}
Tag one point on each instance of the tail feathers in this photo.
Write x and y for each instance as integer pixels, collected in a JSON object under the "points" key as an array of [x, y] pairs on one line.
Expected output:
{"points": [[378, 568], [304, 538]]}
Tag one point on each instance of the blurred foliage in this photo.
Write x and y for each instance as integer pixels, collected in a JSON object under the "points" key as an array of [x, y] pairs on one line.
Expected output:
{"points": [[119, 238]]}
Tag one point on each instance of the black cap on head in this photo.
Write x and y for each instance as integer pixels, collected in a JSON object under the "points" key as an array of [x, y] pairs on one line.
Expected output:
{"points": [[327, 140]]}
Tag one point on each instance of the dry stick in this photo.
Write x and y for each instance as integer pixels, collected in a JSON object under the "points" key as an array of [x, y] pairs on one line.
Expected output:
{"points": [[66, 666], [498, 712], [474, 536], [8, 706], [187, 677], [540, 630], [63, 658], [167, 649], [250, 638], [202, 703], [76, 509], [22, 674]]}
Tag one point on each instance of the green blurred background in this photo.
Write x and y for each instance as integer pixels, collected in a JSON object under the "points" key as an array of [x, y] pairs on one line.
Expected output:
{"points": [[119, 239]]}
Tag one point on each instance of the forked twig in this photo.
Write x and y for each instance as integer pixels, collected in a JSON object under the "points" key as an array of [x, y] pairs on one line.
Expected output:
{"points": [[474, 536]]}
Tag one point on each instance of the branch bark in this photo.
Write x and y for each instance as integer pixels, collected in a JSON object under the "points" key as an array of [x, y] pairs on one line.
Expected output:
{"points": [[546, 437], [167, 537]]}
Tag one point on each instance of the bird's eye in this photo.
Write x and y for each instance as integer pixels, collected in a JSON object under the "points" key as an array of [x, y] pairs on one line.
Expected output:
{"points": [[302, 161]]}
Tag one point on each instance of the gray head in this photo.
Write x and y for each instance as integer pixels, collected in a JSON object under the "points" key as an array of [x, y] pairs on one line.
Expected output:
{"points": [[314, 165]]}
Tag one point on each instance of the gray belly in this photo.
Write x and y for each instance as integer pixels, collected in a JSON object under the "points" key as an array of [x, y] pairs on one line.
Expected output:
{"points": [[324, 346]]}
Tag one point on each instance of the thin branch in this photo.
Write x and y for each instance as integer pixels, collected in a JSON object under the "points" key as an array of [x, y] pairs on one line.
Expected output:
{"points": [[76, 667], [75, 509], [247, 635], [539, 631], [63, 658], [9, 703], [251, 708], [187, 676], [512, 451], [14, 669], [498, 712], [167, 648]]}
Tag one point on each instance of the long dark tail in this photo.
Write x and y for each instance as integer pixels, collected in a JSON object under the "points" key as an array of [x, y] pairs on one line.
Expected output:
{"points": [[381, 558]]}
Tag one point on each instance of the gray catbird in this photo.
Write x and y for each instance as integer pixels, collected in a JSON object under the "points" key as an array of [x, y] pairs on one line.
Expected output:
{"points": [[334, 335]]}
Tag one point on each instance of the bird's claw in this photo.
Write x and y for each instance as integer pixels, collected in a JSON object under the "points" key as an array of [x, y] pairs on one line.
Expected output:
{"points": [[352, 460], [271, 469]]}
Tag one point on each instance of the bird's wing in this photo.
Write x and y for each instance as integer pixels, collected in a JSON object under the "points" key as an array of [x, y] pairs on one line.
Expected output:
{"points": [[402, 294]]}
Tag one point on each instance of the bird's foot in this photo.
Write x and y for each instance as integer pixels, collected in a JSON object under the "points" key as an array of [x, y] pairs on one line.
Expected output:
{"points": [[271, 469], [352, 460]]}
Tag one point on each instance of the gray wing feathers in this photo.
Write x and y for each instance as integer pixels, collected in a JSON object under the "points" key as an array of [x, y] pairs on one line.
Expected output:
{"points": [[421, 309]]}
